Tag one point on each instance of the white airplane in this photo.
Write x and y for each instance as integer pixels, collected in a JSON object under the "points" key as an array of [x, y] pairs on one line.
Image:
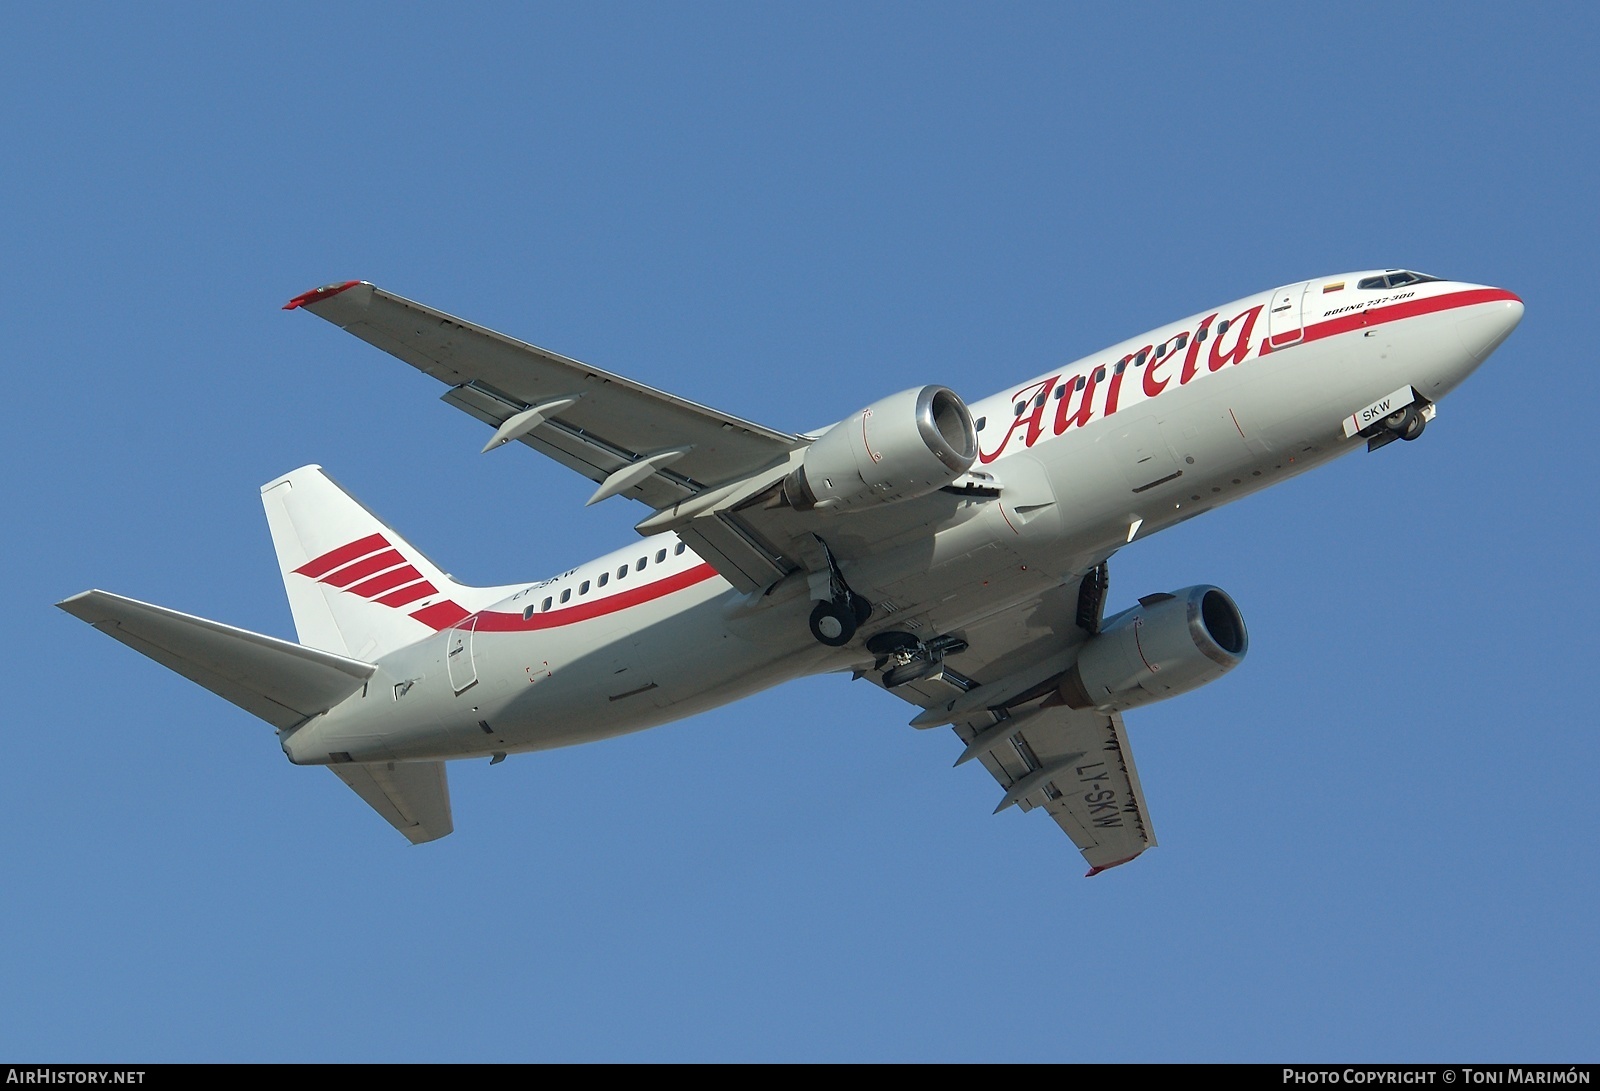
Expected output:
{"points": [[954, 555]]}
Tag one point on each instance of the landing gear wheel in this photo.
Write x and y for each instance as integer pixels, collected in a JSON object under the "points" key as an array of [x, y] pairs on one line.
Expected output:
{"points": [[1408, 423], [833, 624], [861, 607]]}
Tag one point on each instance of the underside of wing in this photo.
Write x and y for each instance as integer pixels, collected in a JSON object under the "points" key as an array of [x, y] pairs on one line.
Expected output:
{"points": [[997, 688], [636, 441]]}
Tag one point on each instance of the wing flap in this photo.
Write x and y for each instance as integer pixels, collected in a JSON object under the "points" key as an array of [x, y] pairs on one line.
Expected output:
{"points": [[1077, 765], [282, 682], [413, 797], [736, 555]]}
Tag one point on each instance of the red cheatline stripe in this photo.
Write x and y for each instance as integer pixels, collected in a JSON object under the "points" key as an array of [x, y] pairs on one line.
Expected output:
{"points": [[350, 573], [409, 593], [385, 581], [1394, 312], [441, 615], [515, 623], [343, 555]]}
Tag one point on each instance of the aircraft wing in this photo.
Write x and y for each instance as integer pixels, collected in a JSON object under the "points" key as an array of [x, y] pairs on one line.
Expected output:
{"points": [[1077, 765], [594, 422], [708, 475]]}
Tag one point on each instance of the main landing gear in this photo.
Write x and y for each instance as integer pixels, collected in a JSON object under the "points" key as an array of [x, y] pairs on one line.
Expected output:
{"points": [[837, 616], [835, 621], [904, 658]]}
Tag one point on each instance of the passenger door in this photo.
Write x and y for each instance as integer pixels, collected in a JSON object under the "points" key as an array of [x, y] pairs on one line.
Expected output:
{"points": [[1285, 315]]}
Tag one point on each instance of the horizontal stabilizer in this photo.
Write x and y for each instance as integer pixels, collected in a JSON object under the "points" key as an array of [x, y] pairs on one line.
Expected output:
{"points": [[282, 682], [413, 797]]}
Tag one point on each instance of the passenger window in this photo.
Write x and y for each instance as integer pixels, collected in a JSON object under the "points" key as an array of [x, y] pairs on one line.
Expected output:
{"points": [[677, 550], [1038, 403], [567, 594], [622, 570], [546, 605], [1079, 385], [1100, 374], [1182, 339], [1060, 391], [979, 423], [583, 588], [639, 564], [527, 612], [1020, 407], [661, 555], [1138, 361], [605, 577], [1222, 327], [1161, 350], [1121, 365], [1201, 336]]}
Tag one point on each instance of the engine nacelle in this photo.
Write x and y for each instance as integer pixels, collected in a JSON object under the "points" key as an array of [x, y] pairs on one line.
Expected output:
{"points": [[1167, 645], [909, 444]]}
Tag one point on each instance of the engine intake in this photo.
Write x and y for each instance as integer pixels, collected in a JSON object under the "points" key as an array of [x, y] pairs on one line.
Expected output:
{"points": [[1167, 645], [907, 445]]}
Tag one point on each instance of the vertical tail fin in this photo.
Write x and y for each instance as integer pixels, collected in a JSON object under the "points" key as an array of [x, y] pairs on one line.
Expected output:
{"points": [[355, 586]]}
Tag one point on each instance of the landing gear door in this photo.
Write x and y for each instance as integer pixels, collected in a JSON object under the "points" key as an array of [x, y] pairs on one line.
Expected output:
{"points": [[1285, 317], [458, 655]]}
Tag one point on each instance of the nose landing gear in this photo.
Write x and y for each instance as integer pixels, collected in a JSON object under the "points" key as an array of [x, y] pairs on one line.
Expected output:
{"points": [[1408, 423], [1404, 423]]}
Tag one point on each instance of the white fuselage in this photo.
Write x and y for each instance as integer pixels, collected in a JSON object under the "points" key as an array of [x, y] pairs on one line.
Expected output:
{"points": [[1087, 457]]}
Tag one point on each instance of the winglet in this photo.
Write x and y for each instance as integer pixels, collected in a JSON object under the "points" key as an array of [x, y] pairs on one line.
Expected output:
{"points": [[317, 295]]}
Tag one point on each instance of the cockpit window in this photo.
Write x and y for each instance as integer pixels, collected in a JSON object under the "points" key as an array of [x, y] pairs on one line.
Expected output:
{"points": [[1398, 279]]}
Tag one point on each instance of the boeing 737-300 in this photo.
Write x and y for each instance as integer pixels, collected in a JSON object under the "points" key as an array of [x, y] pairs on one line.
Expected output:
{"points": [[953, 553]]}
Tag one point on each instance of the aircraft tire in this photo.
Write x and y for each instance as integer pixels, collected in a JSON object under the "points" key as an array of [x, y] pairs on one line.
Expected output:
{"points": [[1412, 428], [832, 624]]}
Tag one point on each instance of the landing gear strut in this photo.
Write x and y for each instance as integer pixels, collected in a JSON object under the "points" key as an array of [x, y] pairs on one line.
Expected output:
{"points": [[835, 619]]}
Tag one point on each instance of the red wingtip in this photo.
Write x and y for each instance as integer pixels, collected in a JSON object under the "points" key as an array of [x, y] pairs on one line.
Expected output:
{"points": [[1098, 868], [317, 295]]}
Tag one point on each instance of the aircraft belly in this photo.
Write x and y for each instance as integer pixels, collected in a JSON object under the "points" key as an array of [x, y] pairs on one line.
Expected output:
{"points": [[545, 689]]}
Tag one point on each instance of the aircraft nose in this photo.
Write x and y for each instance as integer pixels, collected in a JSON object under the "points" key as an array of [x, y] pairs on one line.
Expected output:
{"points": [[1489, 325]]}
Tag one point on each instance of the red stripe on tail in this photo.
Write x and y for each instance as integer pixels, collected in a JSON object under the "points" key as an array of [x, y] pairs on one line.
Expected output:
{"points": [[411, 592], [390, 579], [350, 573], [343, 555]]}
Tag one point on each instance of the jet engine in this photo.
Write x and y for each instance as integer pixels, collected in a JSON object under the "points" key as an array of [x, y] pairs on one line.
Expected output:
{"points": [[1167, 645], [907, 445]]}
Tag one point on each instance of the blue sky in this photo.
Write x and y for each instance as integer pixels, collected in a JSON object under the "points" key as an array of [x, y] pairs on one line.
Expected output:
{"points": [[1376, 835]]}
